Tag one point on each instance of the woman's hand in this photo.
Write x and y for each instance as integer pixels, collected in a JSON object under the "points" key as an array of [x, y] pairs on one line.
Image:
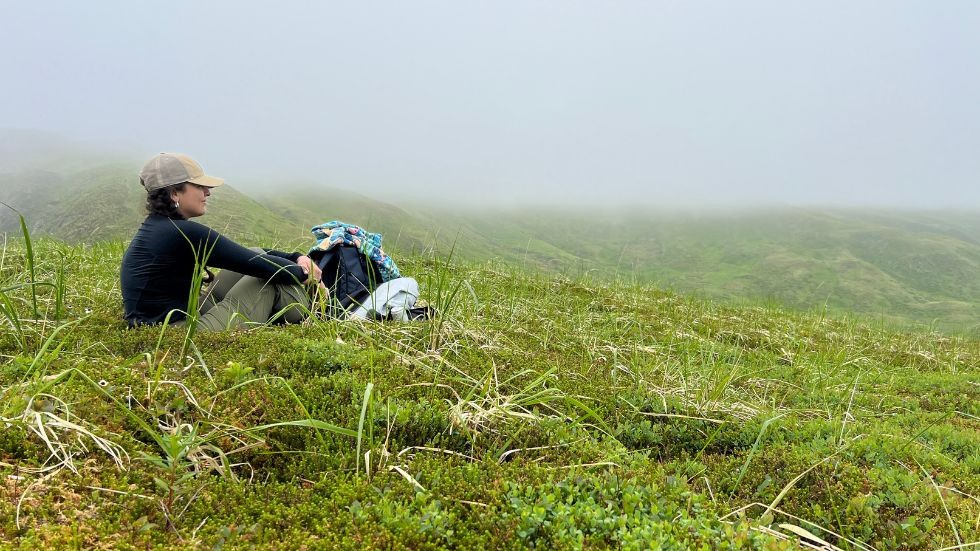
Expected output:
{"points": [[309, 268], [312, 272]]}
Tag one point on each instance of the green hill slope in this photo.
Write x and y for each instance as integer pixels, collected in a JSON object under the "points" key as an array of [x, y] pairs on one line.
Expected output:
{"points": [[902, 267], [897, 265], [106, 202], [408, 229]]}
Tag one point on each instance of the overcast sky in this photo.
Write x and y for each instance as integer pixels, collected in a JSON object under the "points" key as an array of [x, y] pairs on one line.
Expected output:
{"points": [[522, 101]]}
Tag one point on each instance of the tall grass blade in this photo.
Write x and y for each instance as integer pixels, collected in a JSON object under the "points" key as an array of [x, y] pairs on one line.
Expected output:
{"points": [[312, 423], [942, 500], [360, 424], [752, 452], [31, 270], [9, 311], [59, 289], [47, 343]]}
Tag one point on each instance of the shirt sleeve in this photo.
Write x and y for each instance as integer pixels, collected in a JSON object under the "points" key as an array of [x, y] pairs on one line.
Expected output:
{"points": [[217, 251], [290, 256]]}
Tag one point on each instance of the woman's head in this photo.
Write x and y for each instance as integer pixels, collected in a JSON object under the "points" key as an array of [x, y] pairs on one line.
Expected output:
{"points": [[176, 186]]}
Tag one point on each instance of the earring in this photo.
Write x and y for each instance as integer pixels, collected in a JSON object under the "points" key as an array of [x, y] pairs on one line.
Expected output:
{"points": [[176, 204]]}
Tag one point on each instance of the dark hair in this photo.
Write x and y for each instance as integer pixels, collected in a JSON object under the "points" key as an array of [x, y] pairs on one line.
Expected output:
{"points": [[160, 202]]}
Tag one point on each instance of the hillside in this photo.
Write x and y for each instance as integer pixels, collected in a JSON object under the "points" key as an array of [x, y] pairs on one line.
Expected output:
{"points": [[106, 202], [900, 267], [536, 411], [409, 229], [895, 265]]}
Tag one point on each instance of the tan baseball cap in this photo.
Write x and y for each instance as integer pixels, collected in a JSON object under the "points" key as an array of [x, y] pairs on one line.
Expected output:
{"points": [[167, 169]]}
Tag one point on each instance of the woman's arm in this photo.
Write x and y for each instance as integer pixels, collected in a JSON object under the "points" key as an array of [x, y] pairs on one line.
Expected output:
{"points": [[305, 262], [217, 251]]}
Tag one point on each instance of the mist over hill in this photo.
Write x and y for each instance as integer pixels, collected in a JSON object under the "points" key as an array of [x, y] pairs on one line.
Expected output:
{"points": [[898, 266], [107, 202], [32, 149]]}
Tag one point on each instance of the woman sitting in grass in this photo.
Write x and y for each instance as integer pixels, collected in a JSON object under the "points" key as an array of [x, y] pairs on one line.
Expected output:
{"points": [[162, 266]]}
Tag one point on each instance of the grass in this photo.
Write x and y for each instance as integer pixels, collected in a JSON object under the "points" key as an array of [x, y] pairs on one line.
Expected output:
{"points": [[535, 411]]}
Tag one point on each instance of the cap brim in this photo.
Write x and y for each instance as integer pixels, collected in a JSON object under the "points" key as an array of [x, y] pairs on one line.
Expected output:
{"points": [[206, 181]]}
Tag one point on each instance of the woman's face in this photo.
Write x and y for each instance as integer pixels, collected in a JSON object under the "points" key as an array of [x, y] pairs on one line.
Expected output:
{"points": [[192, 200]]}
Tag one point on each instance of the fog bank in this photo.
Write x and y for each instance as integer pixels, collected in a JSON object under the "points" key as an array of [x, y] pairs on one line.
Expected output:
{"points": [[553, 103]]}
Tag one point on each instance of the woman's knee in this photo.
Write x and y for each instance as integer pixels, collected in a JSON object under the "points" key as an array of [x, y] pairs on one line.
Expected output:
{"points": [[293, 302]]}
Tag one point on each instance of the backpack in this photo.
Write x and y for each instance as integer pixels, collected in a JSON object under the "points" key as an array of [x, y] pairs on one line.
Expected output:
{"points": [[349, 276]]}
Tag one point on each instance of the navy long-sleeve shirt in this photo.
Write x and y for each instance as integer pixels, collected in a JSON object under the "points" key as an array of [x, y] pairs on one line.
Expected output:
{"points": [[158, 267]]}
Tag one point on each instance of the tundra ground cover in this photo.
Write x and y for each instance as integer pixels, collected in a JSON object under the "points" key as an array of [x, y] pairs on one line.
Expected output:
{"points": [[536, 411]]}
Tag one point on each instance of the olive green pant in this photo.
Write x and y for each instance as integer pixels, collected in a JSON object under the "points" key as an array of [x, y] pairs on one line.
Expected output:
{"points": [[234, 300]]}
